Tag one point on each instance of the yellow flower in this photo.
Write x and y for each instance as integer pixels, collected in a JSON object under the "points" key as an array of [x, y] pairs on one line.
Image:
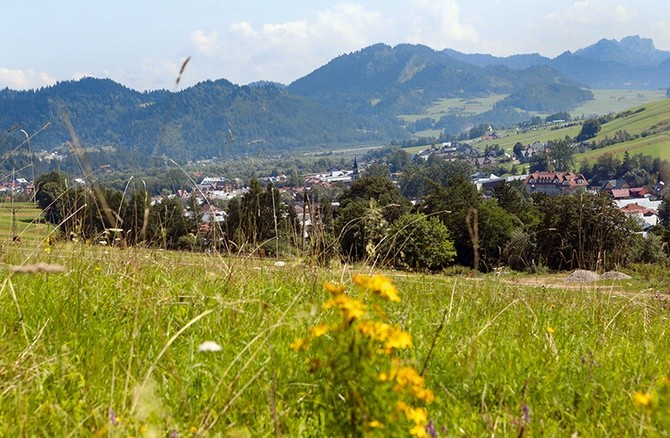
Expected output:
{"points": [[320, 330], [550, 330], [642, 399], [334, 289], [194, 429], [397, 339], [351, 308], [666, 380], [418, 430], [424, 394], [299, 345], [377, 284], [375, 424], [377, 331]]}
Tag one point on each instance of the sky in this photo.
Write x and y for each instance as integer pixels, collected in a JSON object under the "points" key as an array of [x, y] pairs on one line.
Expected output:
{"points": [[142, 44]]}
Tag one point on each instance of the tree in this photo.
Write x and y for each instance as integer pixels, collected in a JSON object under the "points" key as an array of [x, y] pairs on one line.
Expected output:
{"points": [[561, 154], [452, 204], [583, 231], [385, 193], [518, 151], [49, 191], [590, 129], [417, 242], [359, 228]]}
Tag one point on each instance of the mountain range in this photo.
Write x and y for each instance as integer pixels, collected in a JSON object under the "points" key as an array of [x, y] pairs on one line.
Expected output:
{"points": [[355, 99]]}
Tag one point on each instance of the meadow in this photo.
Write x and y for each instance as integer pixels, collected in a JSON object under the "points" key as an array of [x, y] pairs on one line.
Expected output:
{"points": [[106, 341]]}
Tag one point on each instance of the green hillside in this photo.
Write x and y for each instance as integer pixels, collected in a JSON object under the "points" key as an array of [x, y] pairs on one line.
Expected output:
{"points": [[652, 124]]}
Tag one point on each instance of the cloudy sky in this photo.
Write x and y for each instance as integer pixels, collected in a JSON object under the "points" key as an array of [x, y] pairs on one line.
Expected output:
{"points": [[143, 43]]}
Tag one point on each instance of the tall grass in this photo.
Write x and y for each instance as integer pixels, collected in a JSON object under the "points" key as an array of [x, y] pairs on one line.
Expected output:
{"points": [[110, 346]]}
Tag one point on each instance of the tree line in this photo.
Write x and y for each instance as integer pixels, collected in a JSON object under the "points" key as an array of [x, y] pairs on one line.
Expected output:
{"points": [[371, 221]]}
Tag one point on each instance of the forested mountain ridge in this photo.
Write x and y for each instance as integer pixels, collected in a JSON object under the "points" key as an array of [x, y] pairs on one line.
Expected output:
{"points": [[212, 118], [355, 99], [406, 78]]}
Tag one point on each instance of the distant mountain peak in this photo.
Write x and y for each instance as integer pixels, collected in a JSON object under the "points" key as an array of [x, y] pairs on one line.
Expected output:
{"points": [[631, 50]]}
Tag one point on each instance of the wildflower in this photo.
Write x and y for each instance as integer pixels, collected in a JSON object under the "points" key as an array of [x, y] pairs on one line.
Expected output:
{"points": [[194, 429], [398, 339], [351, 308], [377, 284], [550, 330], [418, 430], [298, 345], [320, 330], [375, 424], [377, 331], [334, 289], [642, 399], [209, 346], [430, 429], [112, 417], [666, 380]]}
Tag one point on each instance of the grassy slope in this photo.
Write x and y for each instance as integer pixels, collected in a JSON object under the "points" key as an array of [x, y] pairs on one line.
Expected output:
{"points": [[27, 225], [606, 102], [657, 145], [120, 330]]}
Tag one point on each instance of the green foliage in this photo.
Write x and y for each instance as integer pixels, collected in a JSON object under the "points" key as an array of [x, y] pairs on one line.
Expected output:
{"points": [[583, 231], [590, 129], [561, 154], [547, 97], [451, 204], [417, 242]]}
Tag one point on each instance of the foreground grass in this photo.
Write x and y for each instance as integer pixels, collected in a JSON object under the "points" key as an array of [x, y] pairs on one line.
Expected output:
{"points": [[110, 346]]}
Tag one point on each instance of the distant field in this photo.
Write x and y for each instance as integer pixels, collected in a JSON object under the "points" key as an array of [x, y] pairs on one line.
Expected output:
{"points": [[614, 101], [21, 219], [457, 107], [605, 102]]}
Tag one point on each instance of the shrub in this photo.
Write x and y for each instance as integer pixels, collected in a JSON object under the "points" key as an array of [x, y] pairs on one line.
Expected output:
{"points": [[417, 242]]}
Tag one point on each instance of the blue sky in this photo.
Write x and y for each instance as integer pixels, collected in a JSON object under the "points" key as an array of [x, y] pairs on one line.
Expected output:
{"points": [[142, 43]]}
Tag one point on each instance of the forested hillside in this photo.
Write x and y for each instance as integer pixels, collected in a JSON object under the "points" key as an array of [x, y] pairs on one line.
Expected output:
{"points": [[210, 119]]}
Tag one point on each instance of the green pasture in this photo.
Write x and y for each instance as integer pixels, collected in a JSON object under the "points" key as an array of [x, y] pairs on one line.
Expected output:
{"points": [[615, 101], [21, 219], [110, 347]]}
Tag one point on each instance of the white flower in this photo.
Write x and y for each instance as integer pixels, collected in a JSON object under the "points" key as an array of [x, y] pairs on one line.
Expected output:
{"points": [[209, 346]]}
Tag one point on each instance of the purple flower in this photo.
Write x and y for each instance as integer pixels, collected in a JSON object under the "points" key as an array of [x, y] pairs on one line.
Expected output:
{"points": [[525, 413], [112, 417], [430, 429]]}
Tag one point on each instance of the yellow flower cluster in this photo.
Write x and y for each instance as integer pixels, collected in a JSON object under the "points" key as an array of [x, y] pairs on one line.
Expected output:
{"points": [[378, 285], [391, 338], [418, 416], [377, 343], [407, 379], [643, 399], [351, 308]]}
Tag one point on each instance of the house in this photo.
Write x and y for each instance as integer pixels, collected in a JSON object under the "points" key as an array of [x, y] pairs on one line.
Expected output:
{"points": [[648, 216], [555, 183]]}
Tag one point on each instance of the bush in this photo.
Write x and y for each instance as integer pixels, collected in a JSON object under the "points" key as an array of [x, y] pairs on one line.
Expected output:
{"points": [[417, 242]]}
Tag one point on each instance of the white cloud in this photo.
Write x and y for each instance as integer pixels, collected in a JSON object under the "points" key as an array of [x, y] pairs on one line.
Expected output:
{"points": [[662, 29], [438, 24], [205, 43], [592, 13], [284, 51], [24, 79]]}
